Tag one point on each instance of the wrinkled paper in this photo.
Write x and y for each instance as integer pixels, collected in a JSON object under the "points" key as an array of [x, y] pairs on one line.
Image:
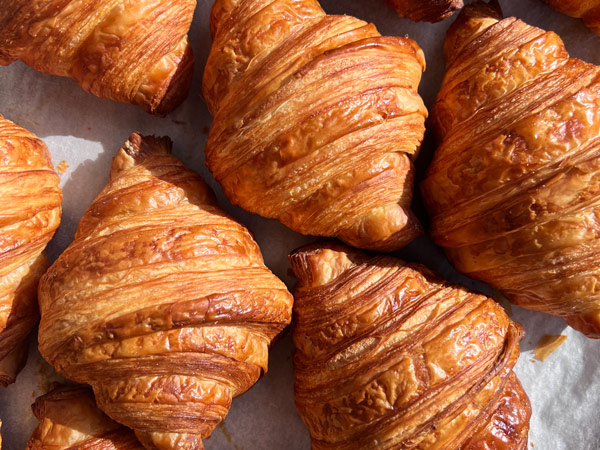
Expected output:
{"points": [[85, 132]]}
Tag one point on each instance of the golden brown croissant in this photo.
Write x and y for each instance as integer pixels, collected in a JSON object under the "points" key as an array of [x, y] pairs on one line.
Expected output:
{"points": [[588, 10], [69, 419], [390, 357], [132, 51], [317, 120], [514, 187], [30, 207], [426, 10], [162, 303]]}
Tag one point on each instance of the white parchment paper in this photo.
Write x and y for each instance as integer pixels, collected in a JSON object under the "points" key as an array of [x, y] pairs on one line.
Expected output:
{"points": [[85, 132]]}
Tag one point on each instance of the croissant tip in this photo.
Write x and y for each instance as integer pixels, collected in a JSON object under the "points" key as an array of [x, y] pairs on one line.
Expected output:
{"points": [[319, 263], [489, 8], [178, 86], [139, 147]]}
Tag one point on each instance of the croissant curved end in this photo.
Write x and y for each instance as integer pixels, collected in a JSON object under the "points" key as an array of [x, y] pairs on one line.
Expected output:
{"points": [[588, 10]]}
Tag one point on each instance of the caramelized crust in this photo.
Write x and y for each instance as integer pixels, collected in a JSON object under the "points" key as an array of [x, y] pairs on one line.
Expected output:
{"points": [[391, 357], [30, 207], [514, 187], [588, 10], [162, 303], [317, 120], [69, 419], [426, 10], [132, 51]]}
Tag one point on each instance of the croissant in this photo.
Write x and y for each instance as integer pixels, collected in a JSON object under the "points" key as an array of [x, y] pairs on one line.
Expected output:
{"points": [[317, 120], [426, 10], [514, 187], [588, 10], [132, 51], [390, 357], [162, 303], [30, 208], [69, 419]]}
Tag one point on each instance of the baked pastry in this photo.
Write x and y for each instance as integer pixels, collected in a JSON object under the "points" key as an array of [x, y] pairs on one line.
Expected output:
{"points": [[69, 419], [426, 10], [162, 303], [132, 51], [588, 10], [317, 120], [388, 356], [513, 187], [30, 199]]}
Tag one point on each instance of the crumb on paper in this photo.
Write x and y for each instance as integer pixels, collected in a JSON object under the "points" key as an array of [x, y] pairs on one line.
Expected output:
{"points": [[62, 167], [178, 122], [547, 345], [532, 360]]}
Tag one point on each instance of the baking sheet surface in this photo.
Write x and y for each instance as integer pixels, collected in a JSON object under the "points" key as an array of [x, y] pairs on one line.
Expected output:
{"points": [[85, 132]]}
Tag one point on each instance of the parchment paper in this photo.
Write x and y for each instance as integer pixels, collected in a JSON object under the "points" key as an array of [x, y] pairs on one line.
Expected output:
{"points": [[86, 131]]}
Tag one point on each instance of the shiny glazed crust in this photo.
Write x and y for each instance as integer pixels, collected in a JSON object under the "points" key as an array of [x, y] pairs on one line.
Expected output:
{"points": [[389, 357], [588, 10], [317, 120], [426, 10], [30, 207], [132, 51], [162, 303], [514, 187], [69, 419]]}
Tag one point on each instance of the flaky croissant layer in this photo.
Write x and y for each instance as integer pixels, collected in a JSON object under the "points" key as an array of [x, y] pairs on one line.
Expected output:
{"points": [[514, 187], [390, 357], [162, 303], [317, 120], [30, 208], [132, 51]]}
